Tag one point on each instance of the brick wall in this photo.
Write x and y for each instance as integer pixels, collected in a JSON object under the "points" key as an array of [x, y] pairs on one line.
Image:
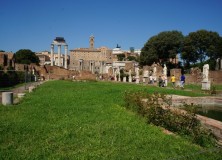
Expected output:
{"points": [[215, 77]]}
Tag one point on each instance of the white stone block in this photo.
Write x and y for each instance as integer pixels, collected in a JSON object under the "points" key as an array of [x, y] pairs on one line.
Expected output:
{"points": [[206, 85], [7, 98]]}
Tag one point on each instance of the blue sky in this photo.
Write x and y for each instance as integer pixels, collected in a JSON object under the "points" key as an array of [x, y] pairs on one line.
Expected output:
{"points": [[33, 24]]}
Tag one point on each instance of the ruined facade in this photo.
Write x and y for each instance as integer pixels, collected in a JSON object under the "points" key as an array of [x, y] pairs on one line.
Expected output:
{"points": [[6, 59], [90, 59]]}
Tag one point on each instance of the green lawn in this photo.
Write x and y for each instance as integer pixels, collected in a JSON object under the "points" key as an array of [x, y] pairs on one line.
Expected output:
{"points": [[86, 120]]}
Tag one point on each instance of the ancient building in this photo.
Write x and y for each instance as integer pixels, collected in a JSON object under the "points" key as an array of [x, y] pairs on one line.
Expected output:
{"points": [[90, 59], [62, 60], [45, 59], [6, 59]]}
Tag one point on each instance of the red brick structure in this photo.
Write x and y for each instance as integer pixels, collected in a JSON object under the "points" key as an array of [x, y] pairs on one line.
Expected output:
{"points": [[215, 77], [47, 72], [6, 59]]}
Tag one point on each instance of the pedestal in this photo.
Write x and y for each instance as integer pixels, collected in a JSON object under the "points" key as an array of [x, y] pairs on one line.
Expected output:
{"points": [[206, 85], [7, 98], [130, 79], [166, 83], [144, 80], [124, 79], [137, 80]]}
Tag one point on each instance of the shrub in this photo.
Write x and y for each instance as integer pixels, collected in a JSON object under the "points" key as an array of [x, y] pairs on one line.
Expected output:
{"points": [[156, 108]]}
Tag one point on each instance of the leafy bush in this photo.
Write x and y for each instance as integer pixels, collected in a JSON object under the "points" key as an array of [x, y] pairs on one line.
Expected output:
{"points": [[156, 108]]}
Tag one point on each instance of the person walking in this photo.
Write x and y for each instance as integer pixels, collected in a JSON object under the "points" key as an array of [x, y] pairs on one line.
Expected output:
{"points": [[173, 80], [182, 81]]}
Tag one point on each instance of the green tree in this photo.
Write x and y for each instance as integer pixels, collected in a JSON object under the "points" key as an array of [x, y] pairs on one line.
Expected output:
{"points": [[219, 49], [121, 57], [161, 47], [132, 58], [200, 46], [26, 56]]}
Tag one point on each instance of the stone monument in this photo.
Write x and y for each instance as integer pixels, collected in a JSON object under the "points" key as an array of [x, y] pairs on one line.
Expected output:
{"points": [[154, 73], [59, 41], [217, 64], [145, 76], [137, 75], [7, 98], [130, 75], [119, 74], [205, 79], [124, 79], [165, 74], [115, 75]]}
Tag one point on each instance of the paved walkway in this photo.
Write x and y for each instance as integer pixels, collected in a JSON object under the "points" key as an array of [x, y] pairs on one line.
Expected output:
{"points": [[21, 89]]}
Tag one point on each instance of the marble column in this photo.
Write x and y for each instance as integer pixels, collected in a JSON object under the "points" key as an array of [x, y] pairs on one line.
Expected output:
{"points": [[66, 52], [52, 54], [130, 76], [59, 55]]}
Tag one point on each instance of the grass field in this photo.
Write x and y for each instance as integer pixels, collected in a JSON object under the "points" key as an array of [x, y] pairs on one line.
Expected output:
{"points": [[86, 120]]}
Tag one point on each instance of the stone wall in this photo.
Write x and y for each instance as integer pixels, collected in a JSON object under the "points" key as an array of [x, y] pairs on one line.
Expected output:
{"points": [[55, 72], [86, 75], [6, 59], [195, 76], [215, 77], [159, 70], [129, 66], [176, 72]]}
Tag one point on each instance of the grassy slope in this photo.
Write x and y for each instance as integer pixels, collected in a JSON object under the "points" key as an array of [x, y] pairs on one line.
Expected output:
{"points": [[71, 120]]}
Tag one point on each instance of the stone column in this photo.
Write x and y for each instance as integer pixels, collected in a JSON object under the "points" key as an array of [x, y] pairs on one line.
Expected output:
{"points": [[7, 98], [66, 52], [101, 67], [124, 79], [137, 75], [115, 76], [59, 55], [130, 76], [52, 54]]}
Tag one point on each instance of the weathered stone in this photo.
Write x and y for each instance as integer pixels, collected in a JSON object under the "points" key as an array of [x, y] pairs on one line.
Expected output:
{"points": [[7, 98], [206, 85]]}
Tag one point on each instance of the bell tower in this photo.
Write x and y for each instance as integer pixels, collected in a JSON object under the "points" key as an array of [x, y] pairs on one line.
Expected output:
{"points": [[91, 42]]}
